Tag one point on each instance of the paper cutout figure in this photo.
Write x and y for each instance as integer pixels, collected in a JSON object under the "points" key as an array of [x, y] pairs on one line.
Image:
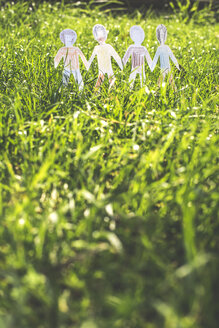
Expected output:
{"points": [[164, 52], [70, 56], [104, 52], [138, 53]]}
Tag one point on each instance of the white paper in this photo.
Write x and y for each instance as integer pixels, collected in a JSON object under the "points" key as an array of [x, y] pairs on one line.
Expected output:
{"points": [[70, 55]]}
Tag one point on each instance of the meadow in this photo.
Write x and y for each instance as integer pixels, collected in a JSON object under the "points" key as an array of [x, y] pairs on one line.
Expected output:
{"points": [[108, 201]]}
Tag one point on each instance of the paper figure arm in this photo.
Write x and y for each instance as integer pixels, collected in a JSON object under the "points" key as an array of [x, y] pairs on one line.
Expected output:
{"points": [[126, 56], [148, 57], [154, 62], [117, 58], [58, 57], [174, 60], [83, 58], [91, 58]]}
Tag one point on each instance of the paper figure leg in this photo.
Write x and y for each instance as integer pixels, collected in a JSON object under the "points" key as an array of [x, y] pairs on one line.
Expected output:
{"points": [[162, 77], [78, 79], [132, 78], [142, 78], [112, 79], [171, 81], [99, 80], [66, 77]]}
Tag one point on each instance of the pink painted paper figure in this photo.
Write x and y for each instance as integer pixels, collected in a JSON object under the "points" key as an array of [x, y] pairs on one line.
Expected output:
{"points": [[138, 53], [164, 52], [70, 56], [104, 52]]}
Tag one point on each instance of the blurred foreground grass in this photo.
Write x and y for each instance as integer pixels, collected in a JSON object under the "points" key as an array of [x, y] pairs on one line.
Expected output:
{"points": [[108, 202]]}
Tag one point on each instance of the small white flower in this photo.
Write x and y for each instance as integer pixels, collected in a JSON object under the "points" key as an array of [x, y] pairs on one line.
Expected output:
{"points": [[21, 221], [147, 90], [136, 147], [76, 114], [87, 212], [53, 217], [109, 209]]}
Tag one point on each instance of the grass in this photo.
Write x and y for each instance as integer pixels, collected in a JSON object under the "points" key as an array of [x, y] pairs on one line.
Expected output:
{"points": [[109, 201]]}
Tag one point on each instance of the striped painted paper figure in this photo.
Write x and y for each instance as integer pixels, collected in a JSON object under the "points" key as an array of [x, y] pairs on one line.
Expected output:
{"points": [[70, 56], [104, 52], [164, 53], [138, 53]]}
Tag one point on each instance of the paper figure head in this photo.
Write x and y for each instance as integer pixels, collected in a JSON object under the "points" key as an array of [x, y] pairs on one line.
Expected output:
{"points": [[68, 37], [100, 33], [137, 34], [161, 33]]}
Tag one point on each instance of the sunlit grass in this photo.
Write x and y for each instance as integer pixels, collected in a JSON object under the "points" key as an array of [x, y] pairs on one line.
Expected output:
{"points": [[108, 201]]}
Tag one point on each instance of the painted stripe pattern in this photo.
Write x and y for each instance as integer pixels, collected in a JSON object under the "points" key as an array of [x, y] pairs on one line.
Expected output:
{"points": [[138, 53], [71, 57]]}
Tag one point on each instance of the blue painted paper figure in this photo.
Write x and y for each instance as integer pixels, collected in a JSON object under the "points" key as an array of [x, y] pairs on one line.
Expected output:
{"points": [[164, 53], [139, 53], [70, 55]]}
